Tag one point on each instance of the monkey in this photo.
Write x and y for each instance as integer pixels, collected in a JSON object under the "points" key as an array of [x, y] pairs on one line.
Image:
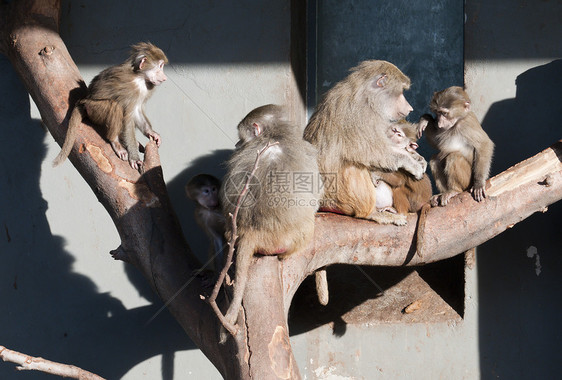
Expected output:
{"points": [[465, 150], [203, 190], [384, 193], [249, 133], [277, 216], [115, 103], [349, 129], [400, 189]]}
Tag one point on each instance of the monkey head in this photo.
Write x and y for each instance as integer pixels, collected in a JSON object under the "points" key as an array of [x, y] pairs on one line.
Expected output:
{"points": [[259, 120], [149, 60], [403, 135], [385, 86], [204, 189], [450, 106]]}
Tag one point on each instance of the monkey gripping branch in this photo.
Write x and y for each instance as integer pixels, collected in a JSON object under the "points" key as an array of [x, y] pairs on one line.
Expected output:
{"points": [[152, 241]]}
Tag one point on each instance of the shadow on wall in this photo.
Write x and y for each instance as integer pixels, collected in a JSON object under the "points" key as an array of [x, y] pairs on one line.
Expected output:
{"points": [[519, 271], [529, 123], [46, 309]]}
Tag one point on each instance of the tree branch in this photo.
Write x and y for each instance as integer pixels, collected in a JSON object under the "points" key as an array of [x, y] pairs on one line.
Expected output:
{"points": [[27, 362], [513, 195]]}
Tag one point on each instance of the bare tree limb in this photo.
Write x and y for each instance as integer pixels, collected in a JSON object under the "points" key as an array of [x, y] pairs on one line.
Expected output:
{"points": [[26, 362]]}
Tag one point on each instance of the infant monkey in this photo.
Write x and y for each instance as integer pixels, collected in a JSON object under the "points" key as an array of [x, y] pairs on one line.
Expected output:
{"points": [[465, 150], [203, 189], [115, 103], [399, 191]]}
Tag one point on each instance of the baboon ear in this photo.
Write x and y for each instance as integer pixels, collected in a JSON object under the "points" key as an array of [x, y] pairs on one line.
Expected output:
{"points": [[467, 106], [139, 62], [257, 129], [380, 81]]}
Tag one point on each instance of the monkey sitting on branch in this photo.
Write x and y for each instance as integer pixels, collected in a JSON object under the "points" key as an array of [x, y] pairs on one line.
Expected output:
{"points": [[349, 129], [465, 150], [115, 103], [399, 191], [203, 190], [270, 195]]}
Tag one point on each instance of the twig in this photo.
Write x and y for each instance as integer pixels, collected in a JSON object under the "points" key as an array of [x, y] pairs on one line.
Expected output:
{"points": [[212, 299], [27, 362]]}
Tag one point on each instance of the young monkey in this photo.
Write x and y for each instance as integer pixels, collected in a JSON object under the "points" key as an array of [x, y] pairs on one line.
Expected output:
{"points": [[203, 189], [115, 103], [465, 150], [399, 191]]}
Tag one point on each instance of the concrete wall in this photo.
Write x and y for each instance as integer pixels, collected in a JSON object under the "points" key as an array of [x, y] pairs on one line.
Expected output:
{"points": [[63, 297]]}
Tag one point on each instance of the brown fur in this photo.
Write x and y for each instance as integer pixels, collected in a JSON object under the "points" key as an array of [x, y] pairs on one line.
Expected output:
{"points": [[203, 189], [268, 222], [115, 103], [349, 129], [408, 193], [465, 150]]}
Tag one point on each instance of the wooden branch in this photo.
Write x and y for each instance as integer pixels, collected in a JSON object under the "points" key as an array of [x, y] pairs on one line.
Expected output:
{"points": [[26, 362], [266, 323], [513, 195]]}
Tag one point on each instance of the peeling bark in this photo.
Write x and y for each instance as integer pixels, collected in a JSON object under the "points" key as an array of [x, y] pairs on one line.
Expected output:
{"points": [[152, 241]]}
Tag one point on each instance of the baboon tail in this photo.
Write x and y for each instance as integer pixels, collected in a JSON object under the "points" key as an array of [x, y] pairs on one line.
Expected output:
{"points": [[73, 123], [244, 255]]}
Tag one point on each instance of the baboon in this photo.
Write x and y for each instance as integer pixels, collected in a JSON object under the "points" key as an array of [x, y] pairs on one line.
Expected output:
{"points": [[349, 128], [465, 150], [407, 194], [115, 103], [277, 214], [203, 189]]}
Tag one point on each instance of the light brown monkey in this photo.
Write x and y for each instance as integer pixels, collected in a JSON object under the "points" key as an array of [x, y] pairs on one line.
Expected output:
{"points": [[115, 103], [465, 150], [384, 192], [203, 189], [277, 216], [349, 129], [407, 194]]}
